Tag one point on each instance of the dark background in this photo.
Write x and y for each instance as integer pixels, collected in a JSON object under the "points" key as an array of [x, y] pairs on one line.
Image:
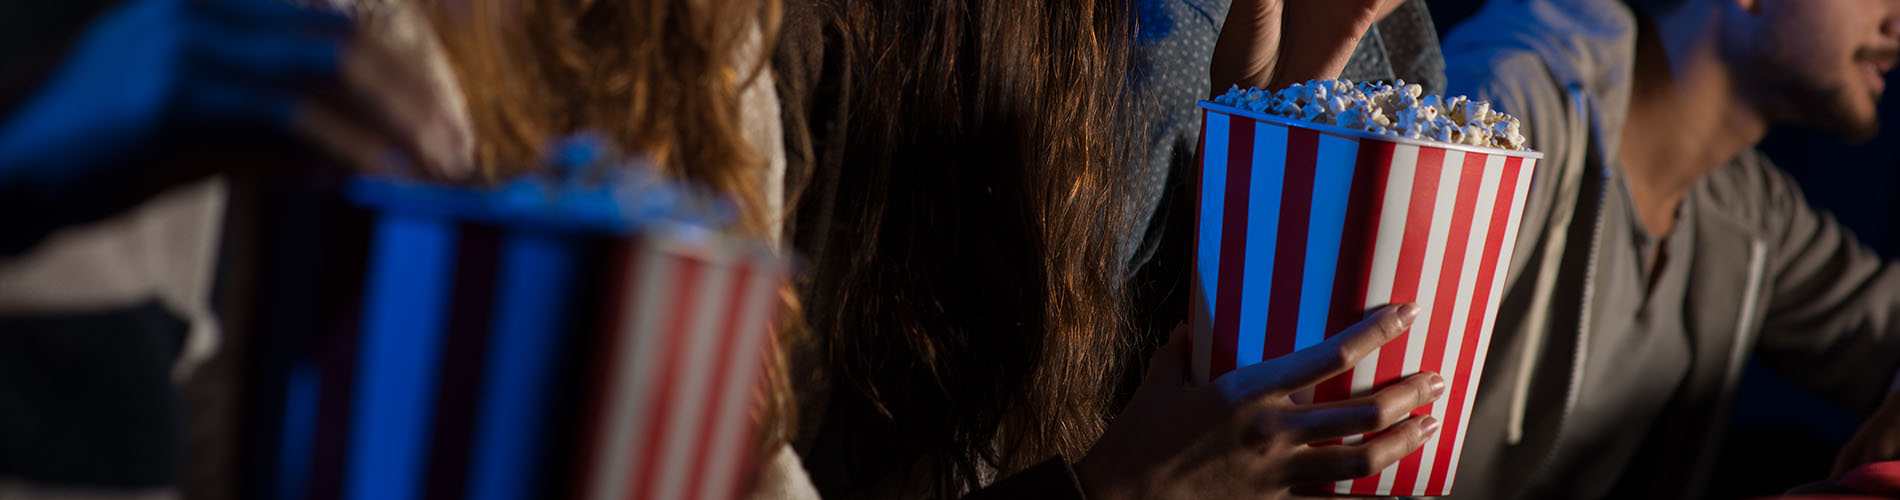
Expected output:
{"points": [[1781, 436]]}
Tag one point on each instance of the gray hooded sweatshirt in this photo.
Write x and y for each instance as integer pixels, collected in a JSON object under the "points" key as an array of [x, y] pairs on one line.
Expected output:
{"points": [[1599, 383]]}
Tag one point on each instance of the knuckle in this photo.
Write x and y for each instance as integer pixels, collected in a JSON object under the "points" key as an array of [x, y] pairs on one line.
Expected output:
{"points": [[1388, 409], [1231, 396], [1272, 430], [1266, 431], [1273, 423], [1338, 359], [1422, 390], [1419, 436], [1368, 418], [1390, 323], [1254, 436], [1358, 464]]}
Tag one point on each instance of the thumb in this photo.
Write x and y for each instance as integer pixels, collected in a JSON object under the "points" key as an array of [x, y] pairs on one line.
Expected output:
{"points": [[1169, 365]]}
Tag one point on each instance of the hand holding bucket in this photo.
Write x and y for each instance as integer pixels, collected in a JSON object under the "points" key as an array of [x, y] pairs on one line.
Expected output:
{"points": [[1302, 228]]}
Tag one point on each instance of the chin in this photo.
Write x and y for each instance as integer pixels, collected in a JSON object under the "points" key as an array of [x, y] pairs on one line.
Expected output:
{"points": [[1861, 133], [1862, 124], [1855, 128], [1841, 110]]}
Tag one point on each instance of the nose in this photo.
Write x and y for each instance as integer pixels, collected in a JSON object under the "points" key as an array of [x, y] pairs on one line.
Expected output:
{"points": [[1890, 20]]}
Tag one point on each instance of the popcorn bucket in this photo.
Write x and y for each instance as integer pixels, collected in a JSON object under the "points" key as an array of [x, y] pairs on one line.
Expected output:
{"points": [[1303, 228], [672, 416], [542, 339]]}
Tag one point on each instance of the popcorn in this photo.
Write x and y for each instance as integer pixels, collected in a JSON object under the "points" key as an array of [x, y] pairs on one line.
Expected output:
{"points": [[1398, 110]]}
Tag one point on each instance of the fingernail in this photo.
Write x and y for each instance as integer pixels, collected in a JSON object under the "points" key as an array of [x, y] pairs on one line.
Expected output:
{"points": [[1438, 385], [1407, 313], [1431, 425]]}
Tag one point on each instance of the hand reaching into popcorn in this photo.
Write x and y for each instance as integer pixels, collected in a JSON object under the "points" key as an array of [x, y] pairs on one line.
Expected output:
{"points": [[1272, 43], [153, 78]]}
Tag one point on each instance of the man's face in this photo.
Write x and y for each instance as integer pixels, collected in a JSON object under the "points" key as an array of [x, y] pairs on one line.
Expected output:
{"points": [[1820, 63]]}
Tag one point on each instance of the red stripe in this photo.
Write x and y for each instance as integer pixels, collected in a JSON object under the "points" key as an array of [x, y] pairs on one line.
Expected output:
{"points": [[1289, 254], [1447, 294], [747, 476], [1481, 301], [620, 263], [1418, 228], [744, 478], [1233, 246], [1196, 308], [673, 336], [728, 347], [1357, 244]]}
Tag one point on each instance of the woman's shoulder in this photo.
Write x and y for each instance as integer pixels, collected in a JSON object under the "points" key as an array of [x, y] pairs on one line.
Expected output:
{"points": [[782, 477]]}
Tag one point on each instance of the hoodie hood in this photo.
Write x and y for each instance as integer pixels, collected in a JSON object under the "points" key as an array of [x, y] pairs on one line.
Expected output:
{"points": [[1587, 45]]}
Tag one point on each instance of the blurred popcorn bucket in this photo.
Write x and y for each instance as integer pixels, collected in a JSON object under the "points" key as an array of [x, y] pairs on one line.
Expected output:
{"points": [[1303, 228], [543, 339], [673, 416]]}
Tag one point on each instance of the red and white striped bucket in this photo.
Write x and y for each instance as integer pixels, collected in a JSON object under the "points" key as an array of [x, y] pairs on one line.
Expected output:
{"points": [[1303, 228], [690, 320]]}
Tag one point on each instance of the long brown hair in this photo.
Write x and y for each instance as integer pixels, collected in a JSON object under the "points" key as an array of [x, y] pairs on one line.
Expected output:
{"points": [[664, 78], [661, 77], [966, 231]]}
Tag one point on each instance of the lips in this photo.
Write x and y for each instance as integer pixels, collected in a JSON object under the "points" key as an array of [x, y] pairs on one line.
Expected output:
{"points": [[1874, 63], [1872, 73]]}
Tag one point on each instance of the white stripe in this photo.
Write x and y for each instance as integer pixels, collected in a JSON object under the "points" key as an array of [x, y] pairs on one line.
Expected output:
{"points": [[1385, 262], [1467, 286], [694, 375], [1332, 187], [1386, 476], [1524, 171], [1207, 260], [1449, 174], [650, 274], [746, 360], [1264, 188]]}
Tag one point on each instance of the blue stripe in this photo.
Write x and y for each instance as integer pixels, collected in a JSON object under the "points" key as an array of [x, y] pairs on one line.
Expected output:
{"points": [[1263, 229], [1213, 193], [403, 316], [1332, 185], [528, 334], [300, 431]]}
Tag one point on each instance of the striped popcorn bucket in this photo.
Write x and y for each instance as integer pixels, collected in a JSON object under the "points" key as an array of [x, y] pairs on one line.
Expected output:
{"points": [[544, 342], [1303, 228], [672, 417]]}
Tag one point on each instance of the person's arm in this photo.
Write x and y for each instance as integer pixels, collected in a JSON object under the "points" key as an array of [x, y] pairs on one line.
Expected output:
{"points": [[1833, 313], [151, 78], [1832, 321]]}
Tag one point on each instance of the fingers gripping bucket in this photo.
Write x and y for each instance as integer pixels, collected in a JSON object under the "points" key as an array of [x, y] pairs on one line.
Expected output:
{"points": [[1303, 228]]}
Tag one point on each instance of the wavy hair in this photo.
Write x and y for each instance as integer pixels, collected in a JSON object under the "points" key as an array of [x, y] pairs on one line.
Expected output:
{"points": [[664, 78], [968, 241]]}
